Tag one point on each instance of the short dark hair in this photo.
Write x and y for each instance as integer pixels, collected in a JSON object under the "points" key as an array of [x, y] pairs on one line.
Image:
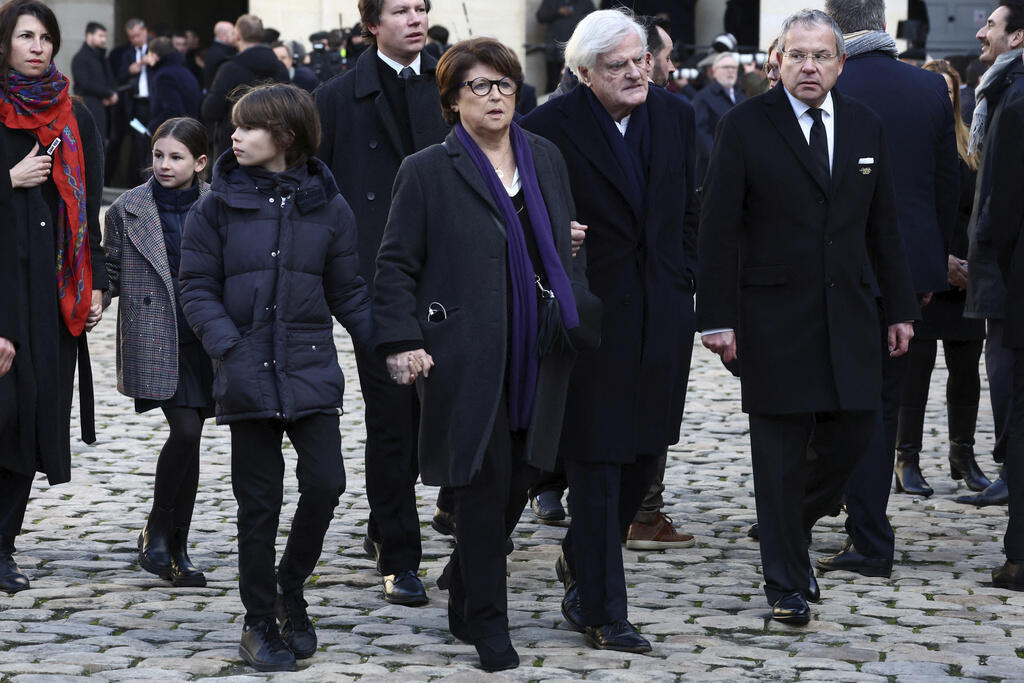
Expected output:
{"points": [[1015, 19], [654, 41], [161, 46], [9, 14], [463, 56], [369, 15], [857, 15], [94, 26], [438, 33], [288, 113], [249, 28]]}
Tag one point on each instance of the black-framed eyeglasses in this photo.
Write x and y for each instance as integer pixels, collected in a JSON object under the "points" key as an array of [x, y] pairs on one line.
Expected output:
{"points": [[482, 86]]}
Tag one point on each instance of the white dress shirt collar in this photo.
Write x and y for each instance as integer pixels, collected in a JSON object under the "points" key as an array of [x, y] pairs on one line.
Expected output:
{"points": [[398, 67], [827, 118]]}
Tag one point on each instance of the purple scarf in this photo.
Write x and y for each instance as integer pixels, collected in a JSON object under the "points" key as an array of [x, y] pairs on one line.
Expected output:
{"points": [[523, 356]]}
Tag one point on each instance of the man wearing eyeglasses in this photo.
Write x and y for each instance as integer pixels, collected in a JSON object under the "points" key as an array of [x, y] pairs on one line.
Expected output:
{"points": [[797, 220], [917, 118], [716, 98], [374, 116]]}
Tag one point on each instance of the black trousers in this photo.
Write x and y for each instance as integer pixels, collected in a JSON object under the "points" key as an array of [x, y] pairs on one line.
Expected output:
{"points": [[963, 386], [1013, 541], [486, 513], [603, 501], [800, 465], [257, 479], [867, 491], [14, 492], [551, 481], [392, 424], [999, 365]]}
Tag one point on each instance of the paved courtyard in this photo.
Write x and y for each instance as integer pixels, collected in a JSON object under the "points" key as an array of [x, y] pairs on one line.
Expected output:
{"points": [[92, 613]]}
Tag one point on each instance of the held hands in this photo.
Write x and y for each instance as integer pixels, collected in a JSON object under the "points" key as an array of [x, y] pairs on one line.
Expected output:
{"points": [[723, 343], [32, 170], [95, 310], [900, 335], [6, 355], [579, 232], [957, 272], [405, 366]]}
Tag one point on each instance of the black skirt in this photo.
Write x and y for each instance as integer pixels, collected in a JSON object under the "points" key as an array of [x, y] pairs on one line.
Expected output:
{"points": [[195, 383]]}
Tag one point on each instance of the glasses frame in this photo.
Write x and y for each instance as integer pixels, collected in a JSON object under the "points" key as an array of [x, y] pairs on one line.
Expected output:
{"points": [[490, 86], [819, 59]]}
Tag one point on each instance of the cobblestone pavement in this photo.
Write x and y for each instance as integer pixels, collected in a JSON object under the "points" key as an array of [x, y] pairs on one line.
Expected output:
{"points": [[93, 613]]}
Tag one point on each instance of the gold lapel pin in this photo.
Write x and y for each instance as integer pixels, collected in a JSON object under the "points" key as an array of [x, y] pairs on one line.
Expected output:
{"points": [[865, 170]]}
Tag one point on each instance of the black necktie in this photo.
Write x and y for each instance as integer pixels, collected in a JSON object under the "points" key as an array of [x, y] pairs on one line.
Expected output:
{"points": [[819, 145], [406, 73]]}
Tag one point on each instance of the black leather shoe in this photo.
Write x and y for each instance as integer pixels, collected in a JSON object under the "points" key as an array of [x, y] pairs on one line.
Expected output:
{"points": [[996, 494], [791, 609], [754, 532], [563, 573], [263, 649], [571, 610], [155, 542], [183, 572], [443, 522], [296, 628], [813, 592], [547, 506], [910, 480], [12, 579], [371, 548], [1010, 575], [619, 635], [850, 560], [496, 653], [404, 588]]}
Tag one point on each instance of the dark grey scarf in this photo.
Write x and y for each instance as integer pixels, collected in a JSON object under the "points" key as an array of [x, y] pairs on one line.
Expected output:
{"points": [[861, 42], [993, 76]]}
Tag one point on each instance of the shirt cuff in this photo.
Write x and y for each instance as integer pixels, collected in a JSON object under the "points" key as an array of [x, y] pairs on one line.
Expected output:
{"points": [[716, 331]]}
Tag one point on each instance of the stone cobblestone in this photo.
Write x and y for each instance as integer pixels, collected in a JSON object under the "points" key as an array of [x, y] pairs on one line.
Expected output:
{"points": [[92, 614]]}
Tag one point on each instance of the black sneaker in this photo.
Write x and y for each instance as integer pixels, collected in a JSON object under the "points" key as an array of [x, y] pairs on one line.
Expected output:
{"points": [[296, 628], [263, 649]]}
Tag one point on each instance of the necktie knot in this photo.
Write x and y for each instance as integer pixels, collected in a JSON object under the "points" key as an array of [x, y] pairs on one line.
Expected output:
{"points": [[815, 114], [406, 73]]}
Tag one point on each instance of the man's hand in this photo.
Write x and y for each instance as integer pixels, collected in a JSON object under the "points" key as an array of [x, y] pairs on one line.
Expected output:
{"points": [[957, 272], [6, 355], [579, 233], [900, 335], [722, 343], [135, 68], [925, 299], [95, 310], [405, 366]]}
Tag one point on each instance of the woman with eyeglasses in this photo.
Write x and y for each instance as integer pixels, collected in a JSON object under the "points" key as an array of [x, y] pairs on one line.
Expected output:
{"points": [[477, 296]]}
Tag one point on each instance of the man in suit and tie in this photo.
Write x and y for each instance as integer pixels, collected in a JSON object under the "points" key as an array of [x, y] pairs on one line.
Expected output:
{"points": [[711, 103], [374, 116], [133, 76], [798, 221]]}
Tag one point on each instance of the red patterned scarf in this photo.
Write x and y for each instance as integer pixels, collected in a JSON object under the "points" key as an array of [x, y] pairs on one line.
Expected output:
{"points": [[42, 107]]}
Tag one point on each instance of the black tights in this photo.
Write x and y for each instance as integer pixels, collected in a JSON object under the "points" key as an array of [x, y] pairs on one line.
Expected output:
{"points": [[177, 469]]}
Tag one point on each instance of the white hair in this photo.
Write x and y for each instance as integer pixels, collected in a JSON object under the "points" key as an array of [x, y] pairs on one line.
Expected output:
{"points": [[598, 33], [725, 55]]}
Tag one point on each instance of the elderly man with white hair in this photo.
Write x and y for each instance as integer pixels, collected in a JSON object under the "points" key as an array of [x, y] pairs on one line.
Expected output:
{"points": [[711, 103], [630, 154]]}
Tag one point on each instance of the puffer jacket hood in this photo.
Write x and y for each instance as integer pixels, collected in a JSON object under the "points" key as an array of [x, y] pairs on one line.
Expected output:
{"points": [[262, 62]]}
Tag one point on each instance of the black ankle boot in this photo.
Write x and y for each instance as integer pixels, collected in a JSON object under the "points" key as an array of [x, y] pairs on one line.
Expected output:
{"points": [[11, 578], [962, 463], [183, 572], [908, 453], [155, 543]]}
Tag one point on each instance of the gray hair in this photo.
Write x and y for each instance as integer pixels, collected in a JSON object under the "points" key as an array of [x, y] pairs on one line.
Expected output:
{"points": [[725, 55], [812, 17], [857, 15], [600, 32], [134, 23]]}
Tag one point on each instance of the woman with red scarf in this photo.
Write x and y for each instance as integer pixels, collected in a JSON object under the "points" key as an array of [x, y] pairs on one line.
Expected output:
{"points": [[50, 220]]}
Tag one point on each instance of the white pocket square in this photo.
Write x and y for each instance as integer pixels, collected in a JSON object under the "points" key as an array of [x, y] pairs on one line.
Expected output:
{"points": [[866, 160]]}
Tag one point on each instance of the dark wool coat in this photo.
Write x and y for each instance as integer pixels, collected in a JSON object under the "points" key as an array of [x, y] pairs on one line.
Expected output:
{"points": [[918, 120], [627, 396], [560, 27], [216, 55], [986, 289], [1006, 209], [789, 263], [173, 91], [147, 318], [94, 82], [445, 242], [261, 277], [362, 144], [709, 105], [34, 428]]}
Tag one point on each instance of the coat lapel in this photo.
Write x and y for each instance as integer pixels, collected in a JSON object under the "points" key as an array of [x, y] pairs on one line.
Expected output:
{"points": [[469, 172], [143, 229], [368, 84], [843, 148], [781, 115]]}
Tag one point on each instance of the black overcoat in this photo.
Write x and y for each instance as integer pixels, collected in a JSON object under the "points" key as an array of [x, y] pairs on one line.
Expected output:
{"points": [[627, 396], [787, 260], [709, 105], [94, 82], [36, 437], [445, 242], [362, 145]]}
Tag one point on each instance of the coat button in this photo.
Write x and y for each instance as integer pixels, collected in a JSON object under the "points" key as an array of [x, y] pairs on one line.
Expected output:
{"points": [[831, 283], [274, 254], [828, 243], [371, 196], [266, 364], [42, 224], [271, 200], [821, 200], [373, 144], [147, 300], [314, 347]]}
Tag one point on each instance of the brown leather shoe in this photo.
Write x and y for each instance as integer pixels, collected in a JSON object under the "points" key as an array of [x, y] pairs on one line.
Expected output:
{"points": [[659, 534]]}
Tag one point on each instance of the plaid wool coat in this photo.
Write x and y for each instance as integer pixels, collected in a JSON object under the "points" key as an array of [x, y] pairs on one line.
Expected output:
{"points": [[138, 271]]}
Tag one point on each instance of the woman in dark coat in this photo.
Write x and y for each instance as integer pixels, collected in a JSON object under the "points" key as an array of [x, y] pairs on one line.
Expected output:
{"points": [[59, 273], [962, 339], [160, 362], [479, 231], [268, 256]]}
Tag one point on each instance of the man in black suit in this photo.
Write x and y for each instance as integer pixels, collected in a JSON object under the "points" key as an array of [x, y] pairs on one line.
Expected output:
{"points": [[1005, 164], [798, 220], [917, 117], [133, 77], [562, 16], [374, 116], [93, 77], [711, 103], [222, 49], [630, 153]]}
